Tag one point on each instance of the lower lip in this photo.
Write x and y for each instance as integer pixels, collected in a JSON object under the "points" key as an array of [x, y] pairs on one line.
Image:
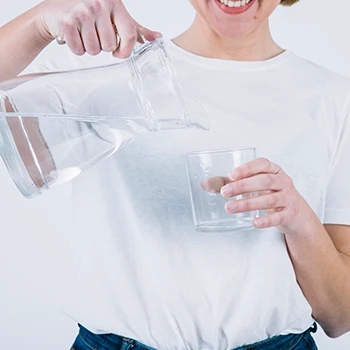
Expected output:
{"points": [[234, 10]]}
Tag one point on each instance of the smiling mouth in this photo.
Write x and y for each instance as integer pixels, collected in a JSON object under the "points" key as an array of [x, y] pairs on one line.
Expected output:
{"points": [[236, 4]]}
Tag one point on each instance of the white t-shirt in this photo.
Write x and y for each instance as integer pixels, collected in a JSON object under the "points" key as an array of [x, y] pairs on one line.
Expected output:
{"points": [[144, 272]]}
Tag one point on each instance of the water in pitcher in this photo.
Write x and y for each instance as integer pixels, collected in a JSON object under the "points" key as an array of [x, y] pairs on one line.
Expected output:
{"points": [[47, 152], [55, 125]]}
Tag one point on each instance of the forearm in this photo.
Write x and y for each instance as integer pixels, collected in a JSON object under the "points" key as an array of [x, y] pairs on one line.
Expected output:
{"points": [[319, 257], [323, 274], [20, 42]]}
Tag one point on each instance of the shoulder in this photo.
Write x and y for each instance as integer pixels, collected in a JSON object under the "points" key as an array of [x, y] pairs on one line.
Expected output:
{"points": [[322, 88], [326, 80]]}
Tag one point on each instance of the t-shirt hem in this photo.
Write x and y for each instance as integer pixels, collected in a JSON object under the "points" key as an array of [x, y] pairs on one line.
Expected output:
{"points": [[296, 327]]}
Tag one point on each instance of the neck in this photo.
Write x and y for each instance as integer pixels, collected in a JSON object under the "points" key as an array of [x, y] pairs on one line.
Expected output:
{"points": [[202, 40]]}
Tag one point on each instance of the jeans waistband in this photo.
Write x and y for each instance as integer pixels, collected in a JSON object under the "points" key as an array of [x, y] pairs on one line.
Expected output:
{"points": [[110, 341], [114, 341]]}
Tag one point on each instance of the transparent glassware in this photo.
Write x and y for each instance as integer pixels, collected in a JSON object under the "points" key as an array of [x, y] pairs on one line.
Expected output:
{"points": [[55, 125], [207, 173]]}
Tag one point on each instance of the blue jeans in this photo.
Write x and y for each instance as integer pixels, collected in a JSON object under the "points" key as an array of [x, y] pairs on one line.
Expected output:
{"points": [[90, 341]]}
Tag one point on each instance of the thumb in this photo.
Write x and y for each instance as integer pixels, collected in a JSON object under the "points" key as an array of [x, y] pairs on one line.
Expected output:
{"points": [[149, 35]]}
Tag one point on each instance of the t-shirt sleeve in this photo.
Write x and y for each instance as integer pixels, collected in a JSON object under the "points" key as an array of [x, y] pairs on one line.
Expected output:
{"points": [[337, 206], [59, 58]]}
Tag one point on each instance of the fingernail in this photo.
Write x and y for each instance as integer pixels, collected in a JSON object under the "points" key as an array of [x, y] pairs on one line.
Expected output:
{"points": [[230, 207], [225, 191], [258, 222], [234, 175]]}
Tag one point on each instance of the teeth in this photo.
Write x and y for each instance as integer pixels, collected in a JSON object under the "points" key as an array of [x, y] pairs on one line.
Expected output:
{"points": [[231, 3]]}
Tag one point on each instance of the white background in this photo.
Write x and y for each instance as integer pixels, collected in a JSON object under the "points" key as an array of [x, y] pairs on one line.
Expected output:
{"points": [[34, 249]]}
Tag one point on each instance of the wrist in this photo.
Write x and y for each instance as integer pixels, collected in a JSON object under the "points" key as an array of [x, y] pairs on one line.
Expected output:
{"points": [[305, 223], [42, 32], [309, 230]]}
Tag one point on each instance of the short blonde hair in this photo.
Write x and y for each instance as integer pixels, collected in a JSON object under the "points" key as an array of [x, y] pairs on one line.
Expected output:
{"points": [[288, 2]]}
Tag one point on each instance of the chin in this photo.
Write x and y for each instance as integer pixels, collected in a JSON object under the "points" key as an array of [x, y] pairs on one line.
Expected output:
{"points": [[235, 23], [231, 28], [229, 24]]}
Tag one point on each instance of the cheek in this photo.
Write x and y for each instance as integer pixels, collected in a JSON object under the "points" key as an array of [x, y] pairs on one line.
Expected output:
{"points": [[266, 8], [201, 7], [197, 4]]}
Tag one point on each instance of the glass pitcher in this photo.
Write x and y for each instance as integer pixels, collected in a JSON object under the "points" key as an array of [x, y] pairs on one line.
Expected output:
{"points": [[55, 125]]}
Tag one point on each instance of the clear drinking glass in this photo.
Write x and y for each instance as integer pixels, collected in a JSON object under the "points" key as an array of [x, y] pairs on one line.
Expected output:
{"points": [[55, 125], [207, 172]]}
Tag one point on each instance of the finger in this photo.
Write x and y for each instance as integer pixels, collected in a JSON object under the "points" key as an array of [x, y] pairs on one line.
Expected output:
{"points": [[262, 193], [256, 166], [214, 184], [90, 38], [272, 220], [140, 38], [271, 201], [126, 28], [75, 42], [106, 32], [148, 34], [255, 183]]}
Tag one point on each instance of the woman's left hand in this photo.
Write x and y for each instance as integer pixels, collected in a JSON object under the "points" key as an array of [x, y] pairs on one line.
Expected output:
{"points": [[286, 208]]}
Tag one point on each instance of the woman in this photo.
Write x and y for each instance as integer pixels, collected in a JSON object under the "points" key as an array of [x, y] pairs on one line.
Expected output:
{"points": [[147, 279]]}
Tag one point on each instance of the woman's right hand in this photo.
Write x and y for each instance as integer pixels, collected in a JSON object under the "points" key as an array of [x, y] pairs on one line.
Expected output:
{"points": [[92, 26]]}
